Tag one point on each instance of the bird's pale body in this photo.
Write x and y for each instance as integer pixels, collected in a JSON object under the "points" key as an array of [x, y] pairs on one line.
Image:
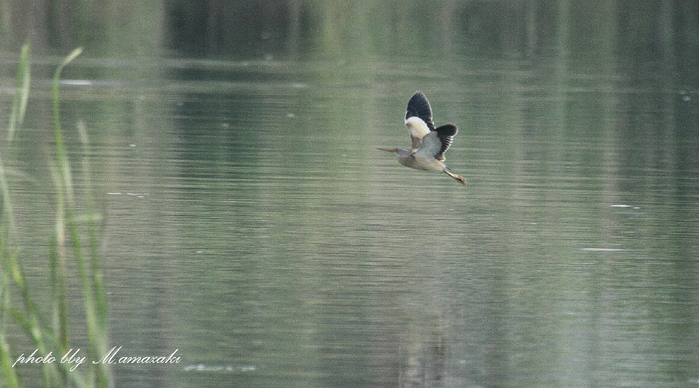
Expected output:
{"points": [[410, 159]]}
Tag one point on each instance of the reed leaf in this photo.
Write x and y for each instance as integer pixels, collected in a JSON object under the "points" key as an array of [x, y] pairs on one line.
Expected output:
{"points": [[21, 97], [53, 336]]}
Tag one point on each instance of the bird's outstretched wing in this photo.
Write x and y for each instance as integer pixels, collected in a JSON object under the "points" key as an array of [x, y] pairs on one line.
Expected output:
{"points": [[418, 106], [437, 142], [418, 119]]}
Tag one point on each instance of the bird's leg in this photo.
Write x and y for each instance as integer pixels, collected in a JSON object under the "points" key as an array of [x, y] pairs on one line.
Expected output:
{"points": [[457, 177]]}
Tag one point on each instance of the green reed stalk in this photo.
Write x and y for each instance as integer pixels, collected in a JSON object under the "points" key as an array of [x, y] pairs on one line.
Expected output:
{"points": [[53, 337], [90, 278], [19, 103], [11, 269]]}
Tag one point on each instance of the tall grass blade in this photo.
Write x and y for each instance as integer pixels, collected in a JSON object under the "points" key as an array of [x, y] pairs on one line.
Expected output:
{"points": [[90, 278], [29, 319], [99, 291], [61, 157], [9, 267], [53, 336], [19, 102]]}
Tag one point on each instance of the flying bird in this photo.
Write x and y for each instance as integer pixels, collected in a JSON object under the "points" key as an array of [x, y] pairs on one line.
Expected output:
{"points": [[428, 143]]}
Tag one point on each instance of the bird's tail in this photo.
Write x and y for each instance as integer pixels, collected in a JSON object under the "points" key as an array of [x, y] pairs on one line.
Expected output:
{"points": [[457, 177]]}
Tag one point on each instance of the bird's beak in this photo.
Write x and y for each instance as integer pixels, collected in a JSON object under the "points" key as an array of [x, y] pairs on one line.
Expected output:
{"points": [[388, 149]]}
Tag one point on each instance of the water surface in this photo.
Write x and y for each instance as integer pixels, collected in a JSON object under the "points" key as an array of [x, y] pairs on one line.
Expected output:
{"points": [[251, 224]]}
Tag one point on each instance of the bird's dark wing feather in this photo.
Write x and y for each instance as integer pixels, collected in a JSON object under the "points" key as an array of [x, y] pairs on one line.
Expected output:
{"points": [[446, 134], [420, 107]]}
